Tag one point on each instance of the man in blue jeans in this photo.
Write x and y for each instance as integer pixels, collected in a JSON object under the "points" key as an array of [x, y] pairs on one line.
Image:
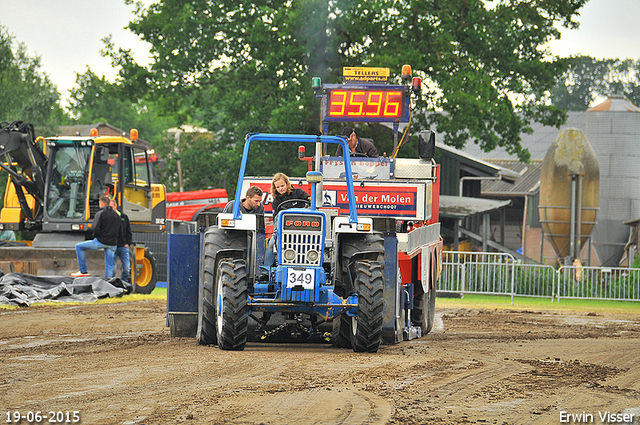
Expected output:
{"points": [[106, 226], [125, 239]]}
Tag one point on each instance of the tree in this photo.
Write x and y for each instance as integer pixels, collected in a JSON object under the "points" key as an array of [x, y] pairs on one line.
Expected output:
{"points": [[94, 99], [588, 78], [26, 93], [631, 88], [251, 62]]}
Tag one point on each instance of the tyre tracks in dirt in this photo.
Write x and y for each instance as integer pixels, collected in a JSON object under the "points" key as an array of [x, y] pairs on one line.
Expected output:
{"points": [[117, 364]]}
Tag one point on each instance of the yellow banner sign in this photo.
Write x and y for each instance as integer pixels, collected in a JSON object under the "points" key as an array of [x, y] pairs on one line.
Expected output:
{"points": [[365, 74]]}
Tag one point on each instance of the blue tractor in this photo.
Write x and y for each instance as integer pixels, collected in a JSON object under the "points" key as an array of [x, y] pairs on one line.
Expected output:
{"points": [[329, 272]]}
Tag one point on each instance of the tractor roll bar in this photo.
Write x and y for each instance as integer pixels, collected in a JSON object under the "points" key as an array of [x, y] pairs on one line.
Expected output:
{"points": [[297, 138]]}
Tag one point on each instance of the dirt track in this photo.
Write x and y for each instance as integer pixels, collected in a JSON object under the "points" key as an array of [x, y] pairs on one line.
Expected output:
{"points": [[116, 364]]}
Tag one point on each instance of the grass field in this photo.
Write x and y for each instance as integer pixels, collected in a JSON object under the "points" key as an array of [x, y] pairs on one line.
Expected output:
{"points": [[539, 304], [469, 301]]}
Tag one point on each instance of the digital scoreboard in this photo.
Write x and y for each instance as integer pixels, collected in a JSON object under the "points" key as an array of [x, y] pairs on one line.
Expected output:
{"points": [[360, 102]]}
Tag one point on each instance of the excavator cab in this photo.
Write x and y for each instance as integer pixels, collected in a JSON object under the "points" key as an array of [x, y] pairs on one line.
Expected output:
{"points": [[81, 170], [66, 192], [131, 186]]}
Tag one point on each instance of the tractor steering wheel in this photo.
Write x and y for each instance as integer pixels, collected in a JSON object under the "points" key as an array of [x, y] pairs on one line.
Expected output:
{"points": [[306, 203]]}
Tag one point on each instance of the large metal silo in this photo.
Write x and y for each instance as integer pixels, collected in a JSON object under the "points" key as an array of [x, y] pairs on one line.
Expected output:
{"points": [[613, 128], [569, 181]]}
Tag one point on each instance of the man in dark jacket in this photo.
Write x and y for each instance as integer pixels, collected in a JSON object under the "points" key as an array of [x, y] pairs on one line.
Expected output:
{"points": [[106, 226], [357, 147], [252, 204], [125, 239]]}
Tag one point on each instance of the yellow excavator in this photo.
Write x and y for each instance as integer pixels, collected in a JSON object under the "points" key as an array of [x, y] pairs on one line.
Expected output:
{"points": [[53, 190]]}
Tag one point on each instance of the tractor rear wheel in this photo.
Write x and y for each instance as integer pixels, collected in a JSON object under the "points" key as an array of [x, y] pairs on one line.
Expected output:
{"points": [[424, 308], [215, 239], [353, 244], [366, 326], [232, 310], [341, 333]]}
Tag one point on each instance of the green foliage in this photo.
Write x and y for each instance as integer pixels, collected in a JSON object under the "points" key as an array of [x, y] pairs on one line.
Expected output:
{"points": [[94, 99], [636, 262], [241, 66], [202, 158], [615, 283], [208, 162], [587, 79], [26, 93], [535, 281]]}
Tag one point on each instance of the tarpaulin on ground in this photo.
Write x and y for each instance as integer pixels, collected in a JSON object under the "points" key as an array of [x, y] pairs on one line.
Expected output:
{"points": [[25, 289]]}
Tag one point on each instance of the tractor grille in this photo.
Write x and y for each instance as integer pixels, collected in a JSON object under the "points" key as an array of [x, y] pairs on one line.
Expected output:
{"points": [[302, 240], [302, 244]]}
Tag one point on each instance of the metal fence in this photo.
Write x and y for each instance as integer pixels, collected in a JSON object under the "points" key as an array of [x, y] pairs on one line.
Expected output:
{"points": [[534, 280], [500, 274], [157, 242], [603, 283], [476, 272]]}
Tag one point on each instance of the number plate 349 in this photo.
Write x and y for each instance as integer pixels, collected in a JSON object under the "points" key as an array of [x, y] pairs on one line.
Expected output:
{"points": [[302, 277]]}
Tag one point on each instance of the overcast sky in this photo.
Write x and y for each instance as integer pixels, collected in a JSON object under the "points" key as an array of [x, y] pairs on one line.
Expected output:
{"points": [[66, 34]]}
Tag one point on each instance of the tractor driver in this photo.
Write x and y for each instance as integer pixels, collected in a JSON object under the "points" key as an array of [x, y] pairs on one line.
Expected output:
{"points": [[357, 146], [285, 196], [251, 204]]}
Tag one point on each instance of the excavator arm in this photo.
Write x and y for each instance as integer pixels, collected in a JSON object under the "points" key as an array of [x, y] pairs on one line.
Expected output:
{"points": [[25, 162]]}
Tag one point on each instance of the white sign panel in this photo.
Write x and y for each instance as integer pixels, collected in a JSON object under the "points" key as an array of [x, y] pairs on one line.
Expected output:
{"points": [[300, 278], [361, 168]]}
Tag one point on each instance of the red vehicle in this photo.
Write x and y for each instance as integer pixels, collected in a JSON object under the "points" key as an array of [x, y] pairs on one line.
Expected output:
{"points": [[187, 206]]}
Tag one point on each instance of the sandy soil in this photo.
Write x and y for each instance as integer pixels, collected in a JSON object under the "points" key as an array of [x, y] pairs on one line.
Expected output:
{"points": [[117, 364]]}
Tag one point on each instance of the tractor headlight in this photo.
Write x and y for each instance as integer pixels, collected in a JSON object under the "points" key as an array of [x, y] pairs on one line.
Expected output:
{"points": [[312, 256], [289, 255]]}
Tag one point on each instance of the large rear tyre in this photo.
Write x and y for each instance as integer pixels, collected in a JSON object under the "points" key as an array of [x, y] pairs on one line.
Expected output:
{"points": [[232, 310], [353, 244], [366, 326], [424, 310], [206, 331], [215, 239], [341, 332], [147, 275]]}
